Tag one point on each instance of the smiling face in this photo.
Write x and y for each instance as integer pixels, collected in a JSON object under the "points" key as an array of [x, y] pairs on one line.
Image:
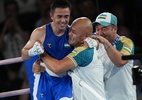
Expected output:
{"points": [[79, 30], [60, 18], [108, 32], [75, 35]]}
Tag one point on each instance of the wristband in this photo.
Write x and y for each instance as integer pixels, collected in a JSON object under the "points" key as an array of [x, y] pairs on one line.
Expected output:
{"points": [[108, 46]]}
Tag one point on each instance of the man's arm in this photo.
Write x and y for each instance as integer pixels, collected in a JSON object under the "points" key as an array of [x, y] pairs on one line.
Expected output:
{"points": [[31, 44], [57, 66], [114, 55]]}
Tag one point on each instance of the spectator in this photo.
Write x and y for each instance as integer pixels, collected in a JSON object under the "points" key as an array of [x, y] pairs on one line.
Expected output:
{"points": [[13, 37]]}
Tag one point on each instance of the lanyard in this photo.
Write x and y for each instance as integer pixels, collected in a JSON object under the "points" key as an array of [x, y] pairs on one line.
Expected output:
{"points": [[116, 39]]}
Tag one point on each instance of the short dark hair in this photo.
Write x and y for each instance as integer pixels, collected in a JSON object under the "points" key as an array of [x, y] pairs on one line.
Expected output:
{"points": [[60, 4]]}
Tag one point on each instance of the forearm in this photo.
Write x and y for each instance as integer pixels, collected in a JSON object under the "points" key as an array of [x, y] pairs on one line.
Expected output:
{"points": [[25, 55], [114, 55], [57, 66], [50, 63]]}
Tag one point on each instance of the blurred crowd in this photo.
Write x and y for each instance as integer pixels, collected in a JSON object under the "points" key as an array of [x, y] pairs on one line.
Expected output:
{"points": [[18, 18]]}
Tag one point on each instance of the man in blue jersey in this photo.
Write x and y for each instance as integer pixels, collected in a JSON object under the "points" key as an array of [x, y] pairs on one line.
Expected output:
{"points": [[83, 64], [54, 38], [117, 72]]}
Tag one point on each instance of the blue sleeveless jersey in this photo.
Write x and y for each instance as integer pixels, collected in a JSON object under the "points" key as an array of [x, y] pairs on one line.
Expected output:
{"points": [[49, 87], [56, 46]]}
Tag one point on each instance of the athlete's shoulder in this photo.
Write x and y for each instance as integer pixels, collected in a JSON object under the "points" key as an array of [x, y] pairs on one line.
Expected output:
{"points": [[83, 51], [128, 45], [82, 56], [125, 39], [39, 30], [38, 33], [78, 50]]}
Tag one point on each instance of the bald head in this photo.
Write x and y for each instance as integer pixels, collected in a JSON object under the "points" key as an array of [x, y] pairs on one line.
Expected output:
{"points": [[84, 24], [79, 30]]}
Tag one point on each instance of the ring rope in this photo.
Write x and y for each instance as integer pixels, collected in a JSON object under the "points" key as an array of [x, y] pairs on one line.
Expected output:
{"points": [[14, 93], [11, 61]]}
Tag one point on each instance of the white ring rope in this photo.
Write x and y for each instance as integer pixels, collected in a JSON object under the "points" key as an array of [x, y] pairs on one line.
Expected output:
{"points": [[14, 93], [11, 61]]}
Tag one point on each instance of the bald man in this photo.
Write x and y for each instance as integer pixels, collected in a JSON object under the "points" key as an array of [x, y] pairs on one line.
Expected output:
{"points": [[82, 64]]}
